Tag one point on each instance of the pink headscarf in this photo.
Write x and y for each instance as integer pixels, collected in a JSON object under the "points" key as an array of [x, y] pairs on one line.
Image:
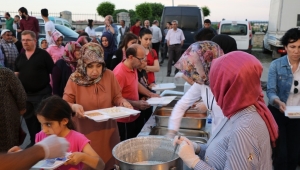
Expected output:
{"points": [[69, 56], [235, 83], [55, 35]]}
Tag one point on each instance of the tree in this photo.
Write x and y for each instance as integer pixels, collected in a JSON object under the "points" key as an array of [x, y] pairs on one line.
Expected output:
{"points": [[133, 16], [105, 8], [116, 12], [206, 11], [143, 10], [157, 9]]}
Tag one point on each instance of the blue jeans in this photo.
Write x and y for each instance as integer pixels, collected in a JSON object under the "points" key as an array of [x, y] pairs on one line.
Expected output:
{"points": [[286, 152]]}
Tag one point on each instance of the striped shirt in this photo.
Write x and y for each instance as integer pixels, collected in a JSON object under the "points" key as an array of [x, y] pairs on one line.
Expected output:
{"points": [[240, 143], [10, 53]]}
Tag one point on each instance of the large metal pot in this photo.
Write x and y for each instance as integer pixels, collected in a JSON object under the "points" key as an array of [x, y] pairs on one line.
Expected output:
{"points": [[131, 152]]}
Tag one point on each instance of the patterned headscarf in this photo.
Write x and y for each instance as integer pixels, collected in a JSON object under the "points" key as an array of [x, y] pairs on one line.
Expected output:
{"points": [[69, 56], [55, 35], [90, 53], [197, 58]]}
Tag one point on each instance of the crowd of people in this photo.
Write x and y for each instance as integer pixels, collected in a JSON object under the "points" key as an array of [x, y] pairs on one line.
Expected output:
{"points": [[51, 85]]}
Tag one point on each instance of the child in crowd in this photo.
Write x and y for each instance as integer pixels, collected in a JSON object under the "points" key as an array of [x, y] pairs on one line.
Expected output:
{"points": [[56, 50], [43, 44]]}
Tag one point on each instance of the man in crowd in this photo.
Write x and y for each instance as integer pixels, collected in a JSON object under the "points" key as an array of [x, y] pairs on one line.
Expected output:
{"points": [[28, 22], [136, 28], [9, 49], [49, 26], [147, 25], [16, 27], [165, 51], [207, 24], [123, 30], [156, 36], [111, 28], [33, 68], [175, 39], [9, 22], [126, 74]]}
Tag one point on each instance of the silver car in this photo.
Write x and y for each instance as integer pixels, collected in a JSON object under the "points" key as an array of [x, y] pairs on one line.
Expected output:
{"points": [[100, 29]]}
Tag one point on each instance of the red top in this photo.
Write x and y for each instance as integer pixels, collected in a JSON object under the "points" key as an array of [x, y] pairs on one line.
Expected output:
{"points": [[32, 24], [150, 62], [135, 30], [128, 81]]}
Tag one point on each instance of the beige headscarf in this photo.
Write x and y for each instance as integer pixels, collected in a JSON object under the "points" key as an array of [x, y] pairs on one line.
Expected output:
{"points": [[90, 53]]}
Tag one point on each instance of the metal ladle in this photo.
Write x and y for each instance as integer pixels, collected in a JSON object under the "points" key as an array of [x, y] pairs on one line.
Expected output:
{"points": [[175, 148]]}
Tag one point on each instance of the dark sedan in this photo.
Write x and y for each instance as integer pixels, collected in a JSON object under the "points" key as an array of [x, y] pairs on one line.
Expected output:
{"points": [[69, 34]]}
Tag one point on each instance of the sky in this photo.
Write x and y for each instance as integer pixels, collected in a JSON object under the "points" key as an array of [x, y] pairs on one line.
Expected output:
{"points": [[219, 9]]}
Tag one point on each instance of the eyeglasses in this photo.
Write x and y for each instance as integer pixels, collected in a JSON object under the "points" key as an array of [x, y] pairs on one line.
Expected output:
{"points": [[141, 59], [296, 84], [27, 40]]}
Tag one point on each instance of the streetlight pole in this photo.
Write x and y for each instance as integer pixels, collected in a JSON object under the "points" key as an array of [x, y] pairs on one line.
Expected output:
{"points": [[173, 2]]}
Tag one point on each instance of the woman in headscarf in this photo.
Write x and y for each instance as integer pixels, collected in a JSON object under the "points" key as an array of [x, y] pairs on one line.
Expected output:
{"points": [[92, 87], [13, 105], [227, 43], [56, 50], [43, 44], [195, 64], [242, 140], [82, 40], [64, 67], [107, 43]]}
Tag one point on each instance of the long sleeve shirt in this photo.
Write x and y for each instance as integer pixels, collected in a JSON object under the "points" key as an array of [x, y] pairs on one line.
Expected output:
{"points": [[241, 142], [156, 34], [196, 92]]}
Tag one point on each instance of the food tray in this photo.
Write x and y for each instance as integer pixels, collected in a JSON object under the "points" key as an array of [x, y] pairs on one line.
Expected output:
{"points": [[160, 101], [111, 113], [43, 164], [164, 86], [292, 112]]}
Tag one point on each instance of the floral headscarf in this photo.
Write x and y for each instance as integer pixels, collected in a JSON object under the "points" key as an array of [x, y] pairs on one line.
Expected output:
{"points": [[69, 56], [90, 53], [55, 35], [197, 58]]}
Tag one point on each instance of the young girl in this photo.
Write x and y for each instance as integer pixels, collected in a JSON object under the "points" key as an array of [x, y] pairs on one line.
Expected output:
{"points": [[43, 44], [107, 43], [56, 50], [145, 38], [120, 54], [54, 114]]}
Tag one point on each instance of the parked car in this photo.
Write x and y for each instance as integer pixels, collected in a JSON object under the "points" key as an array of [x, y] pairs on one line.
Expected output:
{"points": [[100, 28], [61, 21], [2, 21], [241, 31], [69, 35]]}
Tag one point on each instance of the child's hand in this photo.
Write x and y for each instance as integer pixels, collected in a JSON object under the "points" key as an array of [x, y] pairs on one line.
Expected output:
{"points": [[14, 149], [75, 158]]}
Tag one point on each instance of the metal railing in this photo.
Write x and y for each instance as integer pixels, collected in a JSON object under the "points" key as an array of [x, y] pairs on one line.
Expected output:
{"points": [[76, 17]]}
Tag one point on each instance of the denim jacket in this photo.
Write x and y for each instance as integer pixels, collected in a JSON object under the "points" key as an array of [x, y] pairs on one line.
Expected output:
{"points": [[280, 80]]}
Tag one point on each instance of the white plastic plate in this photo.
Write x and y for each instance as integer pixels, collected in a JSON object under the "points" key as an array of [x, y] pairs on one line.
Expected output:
{"points": [[100, 118], [292, 112], [154, 101], [43, 165], [164, 86]]}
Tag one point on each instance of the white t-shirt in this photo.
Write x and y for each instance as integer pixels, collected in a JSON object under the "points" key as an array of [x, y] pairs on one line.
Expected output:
{"points": [[90, 31], [189, 98], [49, 26]]}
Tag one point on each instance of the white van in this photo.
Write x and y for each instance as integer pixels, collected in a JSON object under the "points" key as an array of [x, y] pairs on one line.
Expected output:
{"points": [[239, 30]]}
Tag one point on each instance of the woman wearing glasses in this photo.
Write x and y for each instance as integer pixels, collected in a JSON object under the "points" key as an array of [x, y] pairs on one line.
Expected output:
{"points": [[283, 90]]}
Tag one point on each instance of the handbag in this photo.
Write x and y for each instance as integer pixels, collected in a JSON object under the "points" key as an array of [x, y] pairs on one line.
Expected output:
{"points": [[22, 134]]}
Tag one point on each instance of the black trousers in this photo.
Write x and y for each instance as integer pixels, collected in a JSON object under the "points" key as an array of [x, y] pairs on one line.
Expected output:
{"points": [[33, 101], [174, 55], [286, 153], [156, 46], [165, 52]]}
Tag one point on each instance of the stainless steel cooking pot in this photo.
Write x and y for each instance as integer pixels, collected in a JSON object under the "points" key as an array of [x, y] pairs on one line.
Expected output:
{"points": [[156, 150]]}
